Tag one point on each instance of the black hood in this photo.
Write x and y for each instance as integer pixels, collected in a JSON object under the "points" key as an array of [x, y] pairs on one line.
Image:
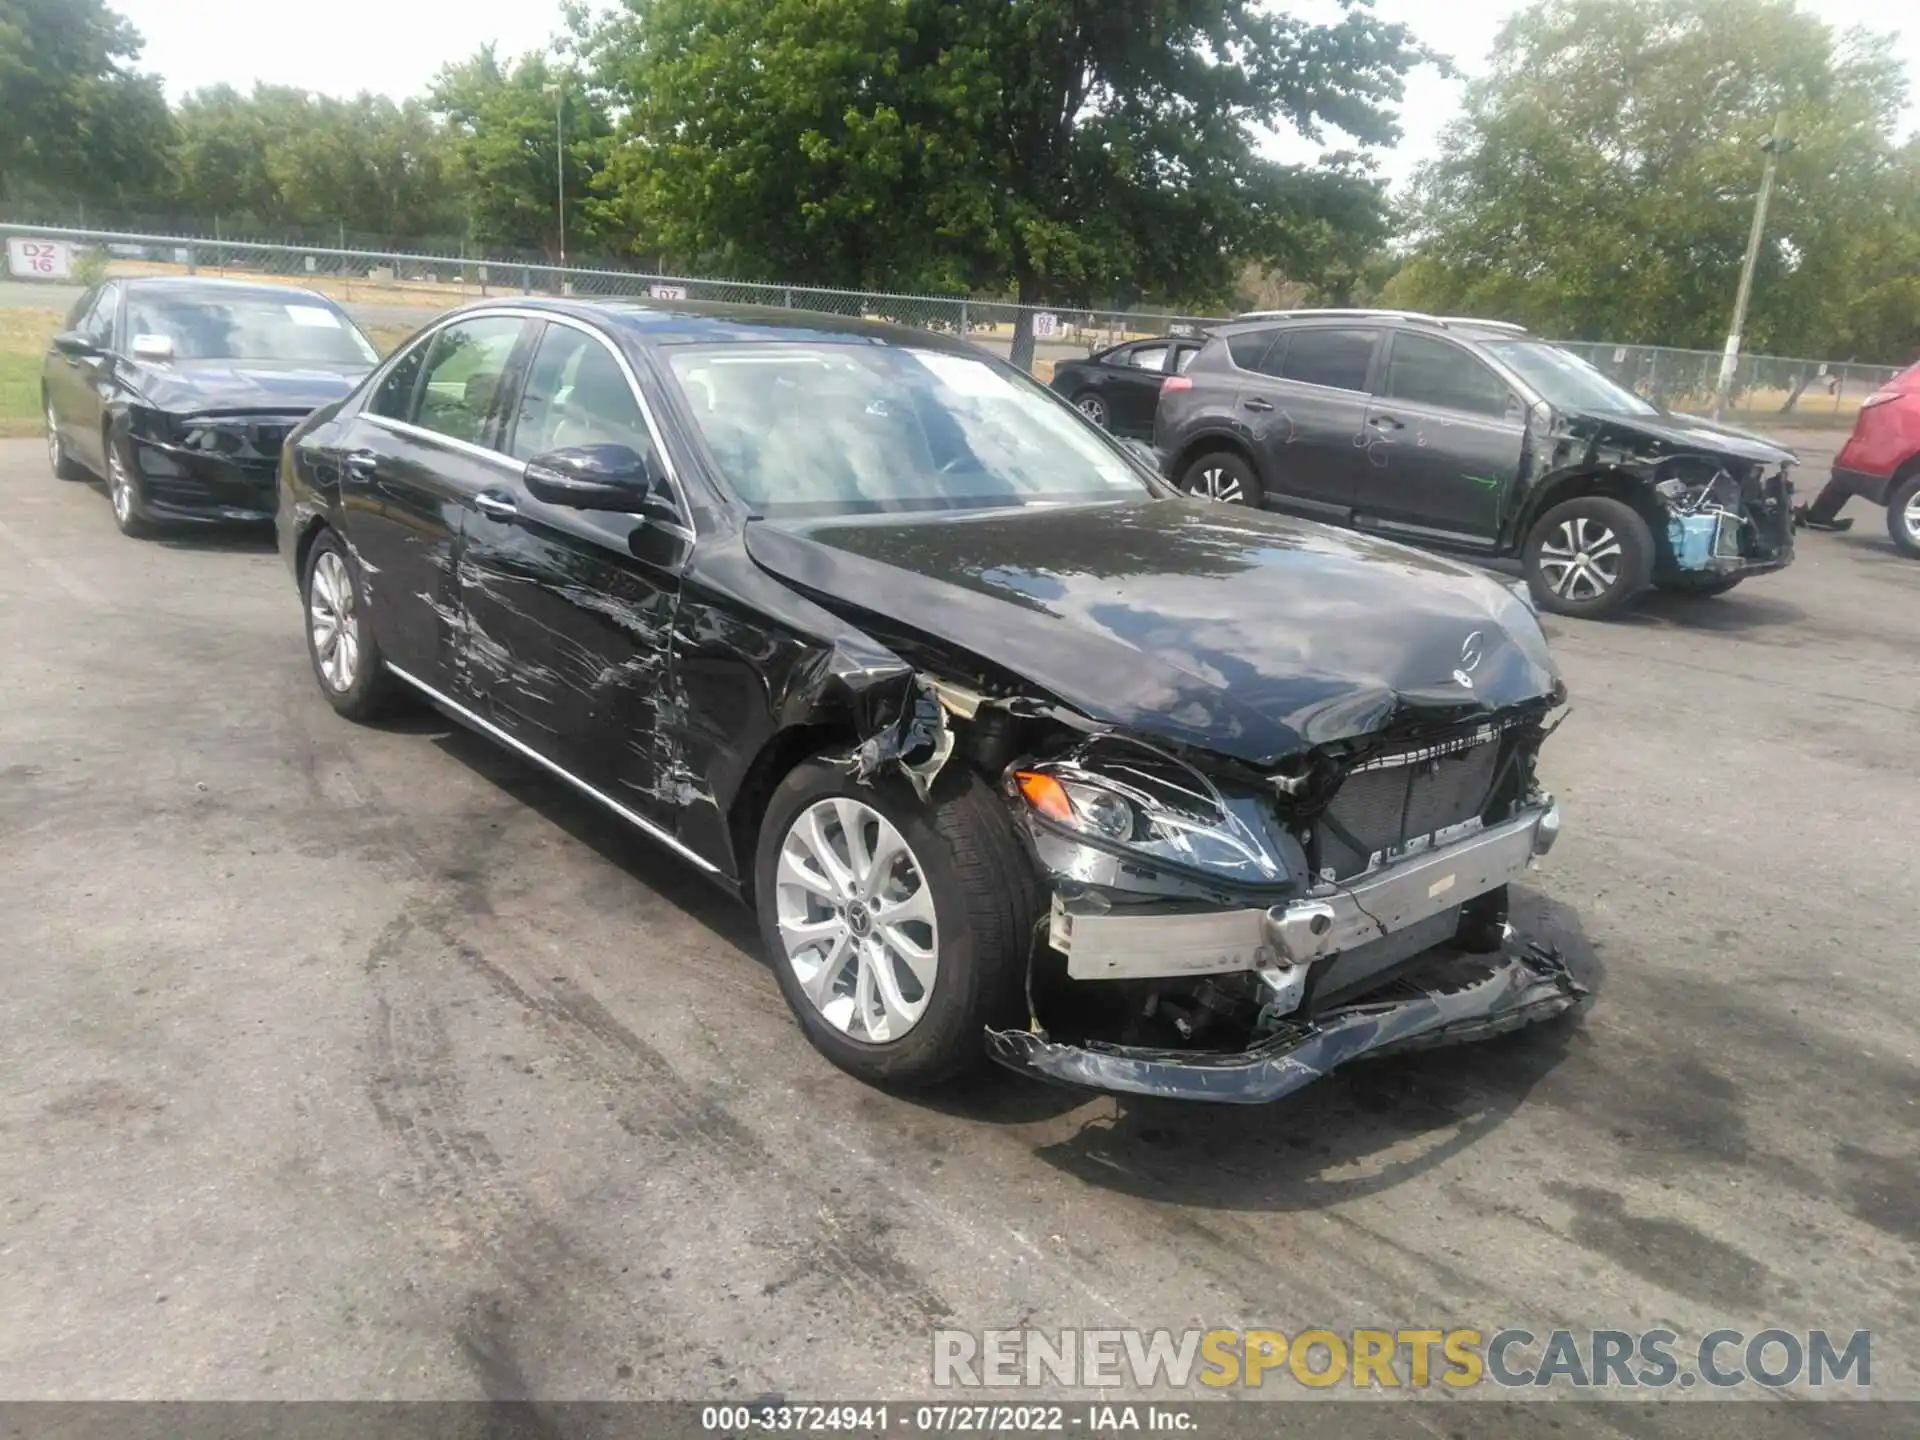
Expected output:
{"points": [[186, 386], [1692, 434], [1233, 630]]}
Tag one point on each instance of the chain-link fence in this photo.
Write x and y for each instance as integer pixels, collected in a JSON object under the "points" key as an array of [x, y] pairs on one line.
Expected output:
{"points": [[396, 288], [392, 285], [1766, 387]]}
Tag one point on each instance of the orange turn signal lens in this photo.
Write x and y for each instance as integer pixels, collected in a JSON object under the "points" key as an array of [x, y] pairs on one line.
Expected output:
{"points": [[1045, 794]]}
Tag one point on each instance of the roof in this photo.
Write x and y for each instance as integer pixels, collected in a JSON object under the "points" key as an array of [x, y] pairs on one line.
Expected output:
{"points": [[214, 285], [1413, 317], [701, 322]]}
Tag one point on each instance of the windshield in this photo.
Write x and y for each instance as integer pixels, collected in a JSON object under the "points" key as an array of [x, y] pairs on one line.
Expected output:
{"points": [[827, 429], [249, 327], [1564, 379]]}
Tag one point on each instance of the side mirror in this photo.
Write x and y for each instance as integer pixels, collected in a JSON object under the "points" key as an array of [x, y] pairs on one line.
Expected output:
{"points": [[153, 347], [602, 477], [73, 343]]}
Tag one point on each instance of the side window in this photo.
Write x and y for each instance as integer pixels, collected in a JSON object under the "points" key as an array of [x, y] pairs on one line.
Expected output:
{"points": [[1249, 350], [393, 397], [1183, 357], [1149, 357], [465, 365], [576, 394], [1426, 371], [98, 324], [1337, 359], [80, 309]]}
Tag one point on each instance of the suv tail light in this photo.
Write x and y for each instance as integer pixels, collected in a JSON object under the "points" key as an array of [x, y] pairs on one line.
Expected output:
{"points": [[1174, 384]]}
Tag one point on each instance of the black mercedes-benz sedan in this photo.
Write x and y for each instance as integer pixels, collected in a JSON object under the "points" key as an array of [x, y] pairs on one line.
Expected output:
{"points": [[1014, 749], [179, 392]]}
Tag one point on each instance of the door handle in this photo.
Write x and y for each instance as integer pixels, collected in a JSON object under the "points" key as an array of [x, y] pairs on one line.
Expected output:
{"points": [[1384, 422], [361, 464], [1256, 403], [497, 507]]}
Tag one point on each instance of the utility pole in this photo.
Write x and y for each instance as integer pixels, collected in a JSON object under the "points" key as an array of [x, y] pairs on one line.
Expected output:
{"points": [[560, 167], [1774, 147]]}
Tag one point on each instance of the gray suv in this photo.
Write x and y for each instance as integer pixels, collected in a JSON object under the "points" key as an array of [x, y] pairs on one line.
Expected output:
{"points": [[1474, 436]]}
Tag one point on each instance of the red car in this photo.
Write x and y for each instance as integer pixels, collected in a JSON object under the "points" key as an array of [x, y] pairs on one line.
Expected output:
{"points": [[1881, 461]]}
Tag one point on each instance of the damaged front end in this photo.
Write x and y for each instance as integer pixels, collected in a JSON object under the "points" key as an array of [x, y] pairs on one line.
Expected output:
{"points": [[1220, 933], [1724, 519]]}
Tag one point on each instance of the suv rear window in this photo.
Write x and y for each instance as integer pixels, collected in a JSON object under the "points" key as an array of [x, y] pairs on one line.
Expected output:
{"points": [[1338, 359], [1250, 348]]}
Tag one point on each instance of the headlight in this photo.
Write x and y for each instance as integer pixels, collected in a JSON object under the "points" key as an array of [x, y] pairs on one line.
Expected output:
{"points": [[1134, 797]]}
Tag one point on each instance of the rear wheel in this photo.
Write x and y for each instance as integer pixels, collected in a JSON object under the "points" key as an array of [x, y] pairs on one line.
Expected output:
{"points": [[1225, 477], [1588, 556], [1094, 407], [63, 464], [346, 657], [1699, 586], [1903, 515], [898, 929]]}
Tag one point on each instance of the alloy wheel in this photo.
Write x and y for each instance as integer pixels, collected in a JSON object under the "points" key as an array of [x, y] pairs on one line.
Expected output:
{"points": [[1217, 483], [1910, 517], [119, 486], [1582, 559], [856, 919], [53, 442], [1094, 408], [335, 622]]}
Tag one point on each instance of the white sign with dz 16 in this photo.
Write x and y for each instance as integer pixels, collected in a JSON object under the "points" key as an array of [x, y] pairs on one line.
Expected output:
{"points": [[29, 259]]}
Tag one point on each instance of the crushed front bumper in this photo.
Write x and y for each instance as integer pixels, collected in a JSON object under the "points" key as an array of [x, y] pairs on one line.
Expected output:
{"points": [[1459, 999]]}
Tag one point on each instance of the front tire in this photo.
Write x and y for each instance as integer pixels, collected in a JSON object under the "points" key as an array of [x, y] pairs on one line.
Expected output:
{"points": [[346, 657], [898, 929], [1225, 477], [64, 466], [123, 490], [1699, 587], [1588, 557], [1903, 516]]}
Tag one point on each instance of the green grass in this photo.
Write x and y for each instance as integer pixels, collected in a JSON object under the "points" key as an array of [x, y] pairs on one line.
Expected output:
{"points": [[23, 342]]}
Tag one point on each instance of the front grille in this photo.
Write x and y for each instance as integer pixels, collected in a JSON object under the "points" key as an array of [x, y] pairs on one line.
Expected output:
{"points": [[1404, 795], [243, 439]]}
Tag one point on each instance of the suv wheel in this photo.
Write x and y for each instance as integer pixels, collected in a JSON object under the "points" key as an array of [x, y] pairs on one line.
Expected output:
{"points": [[1588, 556], [1903, 515], [898, 929], [1226, 477], [1094, 408]]}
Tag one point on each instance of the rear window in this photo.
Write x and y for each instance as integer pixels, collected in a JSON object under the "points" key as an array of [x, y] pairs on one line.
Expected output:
{"points": [[1338, 359], [1250, 349]]}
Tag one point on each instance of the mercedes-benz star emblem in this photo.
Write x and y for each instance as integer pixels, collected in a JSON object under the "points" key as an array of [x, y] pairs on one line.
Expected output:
{"points": [[1470, 657]]}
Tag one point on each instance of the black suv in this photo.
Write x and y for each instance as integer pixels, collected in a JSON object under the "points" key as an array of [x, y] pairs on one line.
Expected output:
{"points": [[1473, 435]]}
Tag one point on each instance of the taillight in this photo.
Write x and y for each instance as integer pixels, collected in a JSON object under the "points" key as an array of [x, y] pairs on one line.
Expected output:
{"points": [[1174, 384]]}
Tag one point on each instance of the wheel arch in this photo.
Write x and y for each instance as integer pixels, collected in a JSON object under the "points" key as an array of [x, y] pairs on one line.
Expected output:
{"points": [[303, 542], [1207, 443], [781, 753], [1612, 482]]}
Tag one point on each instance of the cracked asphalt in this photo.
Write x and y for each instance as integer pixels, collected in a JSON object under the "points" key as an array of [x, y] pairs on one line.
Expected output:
{"points": [[364, 1063]]}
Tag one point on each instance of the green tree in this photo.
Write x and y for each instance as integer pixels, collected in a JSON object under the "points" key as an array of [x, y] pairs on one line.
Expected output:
{"points": [[506, 126], [1072, 151], [1601, 182], [75, 118], [281, 159]]}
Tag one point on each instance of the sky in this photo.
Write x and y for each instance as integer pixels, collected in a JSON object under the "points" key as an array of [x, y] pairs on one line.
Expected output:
{"points": [[397, 46]]}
